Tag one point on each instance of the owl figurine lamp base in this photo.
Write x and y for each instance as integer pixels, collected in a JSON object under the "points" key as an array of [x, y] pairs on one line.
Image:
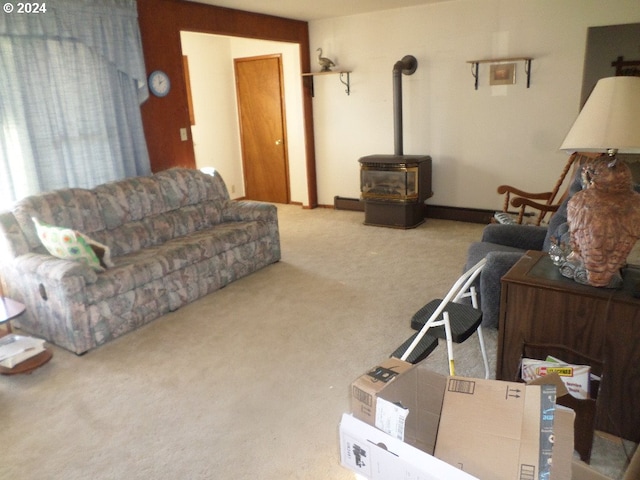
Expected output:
{"points": [[604, 224]]}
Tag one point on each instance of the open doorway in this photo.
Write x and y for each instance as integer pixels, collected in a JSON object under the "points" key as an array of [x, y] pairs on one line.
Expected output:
{"points": [[216, 134], [605, 46]]}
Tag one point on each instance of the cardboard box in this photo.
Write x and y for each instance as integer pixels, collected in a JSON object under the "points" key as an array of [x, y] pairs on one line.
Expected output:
{"points": [[584, 409], [499, 430], [582, 471], [633, 470], [488, 428], [376, 455], [421, 395]]}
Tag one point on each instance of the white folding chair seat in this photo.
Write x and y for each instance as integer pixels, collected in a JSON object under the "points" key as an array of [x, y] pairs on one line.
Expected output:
{"points": [[448, 319]]}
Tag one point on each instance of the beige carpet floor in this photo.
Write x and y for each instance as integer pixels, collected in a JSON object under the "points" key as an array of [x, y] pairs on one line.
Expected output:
{"points": [[250, 381]]}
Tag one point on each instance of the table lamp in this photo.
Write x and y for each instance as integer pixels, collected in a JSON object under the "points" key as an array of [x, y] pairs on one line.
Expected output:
{"points": [[604, 217]]}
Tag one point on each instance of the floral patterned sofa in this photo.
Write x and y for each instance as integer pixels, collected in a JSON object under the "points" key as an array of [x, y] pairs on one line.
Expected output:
{"points": [[173, 237]]}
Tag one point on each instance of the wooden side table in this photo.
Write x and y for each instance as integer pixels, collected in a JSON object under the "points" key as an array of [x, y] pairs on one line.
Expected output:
{"points": [[542, 313], [30, 364], [10, 309]]}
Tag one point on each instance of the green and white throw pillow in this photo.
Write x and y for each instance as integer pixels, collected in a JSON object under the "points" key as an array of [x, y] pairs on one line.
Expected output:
{"points": [[71, 245]]}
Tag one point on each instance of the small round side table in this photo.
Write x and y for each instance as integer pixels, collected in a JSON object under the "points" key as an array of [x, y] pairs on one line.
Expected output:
{"points": [[10, 309]]}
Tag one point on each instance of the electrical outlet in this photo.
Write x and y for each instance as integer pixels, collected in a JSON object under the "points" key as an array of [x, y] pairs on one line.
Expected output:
{"points": [[233, 189], [183, 134]]}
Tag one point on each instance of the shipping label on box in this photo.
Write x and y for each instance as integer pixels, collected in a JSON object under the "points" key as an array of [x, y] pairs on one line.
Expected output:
{"points": [[391, 418]]}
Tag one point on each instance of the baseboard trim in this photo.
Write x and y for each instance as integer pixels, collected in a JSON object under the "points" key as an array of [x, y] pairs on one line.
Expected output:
{"points": [[345, 203], [459, 214]]}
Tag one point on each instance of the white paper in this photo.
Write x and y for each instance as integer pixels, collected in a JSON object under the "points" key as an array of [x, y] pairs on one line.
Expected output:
{"points": [[390, 418], [12, 345], [374, 455]]}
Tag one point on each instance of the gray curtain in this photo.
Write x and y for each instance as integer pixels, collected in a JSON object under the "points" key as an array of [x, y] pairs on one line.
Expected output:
{"points": [[71, 83]]}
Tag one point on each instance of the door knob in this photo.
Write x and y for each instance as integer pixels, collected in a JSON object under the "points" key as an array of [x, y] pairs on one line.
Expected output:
{"points": [[279, 142]]}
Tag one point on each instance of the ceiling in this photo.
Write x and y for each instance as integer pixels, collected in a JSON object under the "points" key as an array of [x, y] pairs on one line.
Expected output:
{"points": [[314, 9]]}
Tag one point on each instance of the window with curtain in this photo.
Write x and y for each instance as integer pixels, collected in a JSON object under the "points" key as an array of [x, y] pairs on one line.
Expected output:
{"points": [[71, 83]]}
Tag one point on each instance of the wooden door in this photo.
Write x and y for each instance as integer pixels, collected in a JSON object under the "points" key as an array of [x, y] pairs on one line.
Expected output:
{"points": [[260, 92]]}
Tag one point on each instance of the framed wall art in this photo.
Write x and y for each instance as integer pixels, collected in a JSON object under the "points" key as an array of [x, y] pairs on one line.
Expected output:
{"points": [[502, 74]]}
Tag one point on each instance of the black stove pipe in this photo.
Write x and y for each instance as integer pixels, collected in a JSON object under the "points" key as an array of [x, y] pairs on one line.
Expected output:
{"points": [[408, 66]]}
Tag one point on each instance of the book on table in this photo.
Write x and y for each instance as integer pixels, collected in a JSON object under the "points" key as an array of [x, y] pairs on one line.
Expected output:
{"points": [[15, 349]]}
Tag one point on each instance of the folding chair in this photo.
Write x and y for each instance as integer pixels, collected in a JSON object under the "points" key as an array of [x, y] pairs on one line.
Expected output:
{"points": [[448, 319]]}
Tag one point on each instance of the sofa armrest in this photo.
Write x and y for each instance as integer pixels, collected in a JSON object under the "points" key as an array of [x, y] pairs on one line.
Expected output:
{"points": [[48, 267], [525, 237], [12, 239], [244, 210], [498, 264], [55, 294]]}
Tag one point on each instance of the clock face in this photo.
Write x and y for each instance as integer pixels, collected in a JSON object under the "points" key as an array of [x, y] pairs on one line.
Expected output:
{"points": [[159, 83]]}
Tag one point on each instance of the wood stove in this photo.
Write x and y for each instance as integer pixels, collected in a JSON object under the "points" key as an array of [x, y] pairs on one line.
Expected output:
{"points": [[395, 187]]}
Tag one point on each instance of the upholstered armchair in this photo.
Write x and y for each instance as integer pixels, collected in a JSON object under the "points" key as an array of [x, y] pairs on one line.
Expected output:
{"points": [[504, 244]]}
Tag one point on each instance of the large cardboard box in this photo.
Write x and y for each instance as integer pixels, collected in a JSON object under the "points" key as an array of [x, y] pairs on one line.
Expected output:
{"points": [[499, 430], [490, 429]]}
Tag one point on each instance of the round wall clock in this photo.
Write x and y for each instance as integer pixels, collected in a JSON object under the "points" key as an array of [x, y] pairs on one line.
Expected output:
{"points": [[159, 83]]}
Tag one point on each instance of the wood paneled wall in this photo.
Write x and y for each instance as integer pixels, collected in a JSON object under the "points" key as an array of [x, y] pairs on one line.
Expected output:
{"points": [[160, 24]]}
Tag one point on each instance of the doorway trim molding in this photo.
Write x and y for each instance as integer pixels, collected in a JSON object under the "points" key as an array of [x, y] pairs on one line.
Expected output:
{"points": [[161, 22]]}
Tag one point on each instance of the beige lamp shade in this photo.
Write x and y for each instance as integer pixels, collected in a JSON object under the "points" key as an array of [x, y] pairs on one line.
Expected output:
{"points": [[609, 120]]}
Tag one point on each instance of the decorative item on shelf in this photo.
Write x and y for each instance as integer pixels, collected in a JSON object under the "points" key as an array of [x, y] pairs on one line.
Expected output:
{"points": [[325, 63], [502, 73], [604, 217]]}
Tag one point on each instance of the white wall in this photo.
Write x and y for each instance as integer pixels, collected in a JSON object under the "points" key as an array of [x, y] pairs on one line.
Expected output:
{"points": [[216, 134], [478, 139], [216, 138]]}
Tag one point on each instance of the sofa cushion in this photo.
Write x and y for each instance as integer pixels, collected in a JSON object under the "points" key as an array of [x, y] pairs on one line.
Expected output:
{"points": [[74, 208], [67, 244], [183, 221], [129, 200], [140, 267], [183, 187], [157, 229]]}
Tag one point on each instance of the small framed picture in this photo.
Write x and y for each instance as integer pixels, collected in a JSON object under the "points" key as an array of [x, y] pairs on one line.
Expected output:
{"points": [[502, 74]]}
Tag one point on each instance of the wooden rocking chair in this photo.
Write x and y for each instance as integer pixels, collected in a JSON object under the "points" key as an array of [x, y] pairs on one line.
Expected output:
{"points": [[545, 202]]}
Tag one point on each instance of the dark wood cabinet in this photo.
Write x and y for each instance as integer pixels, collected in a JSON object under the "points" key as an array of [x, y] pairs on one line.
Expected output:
{"points": [[542, 313]]}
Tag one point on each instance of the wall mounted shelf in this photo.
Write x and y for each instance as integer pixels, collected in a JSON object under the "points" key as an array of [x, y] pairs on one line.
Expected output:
{"points": [[526, 60], [342, 74]]}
